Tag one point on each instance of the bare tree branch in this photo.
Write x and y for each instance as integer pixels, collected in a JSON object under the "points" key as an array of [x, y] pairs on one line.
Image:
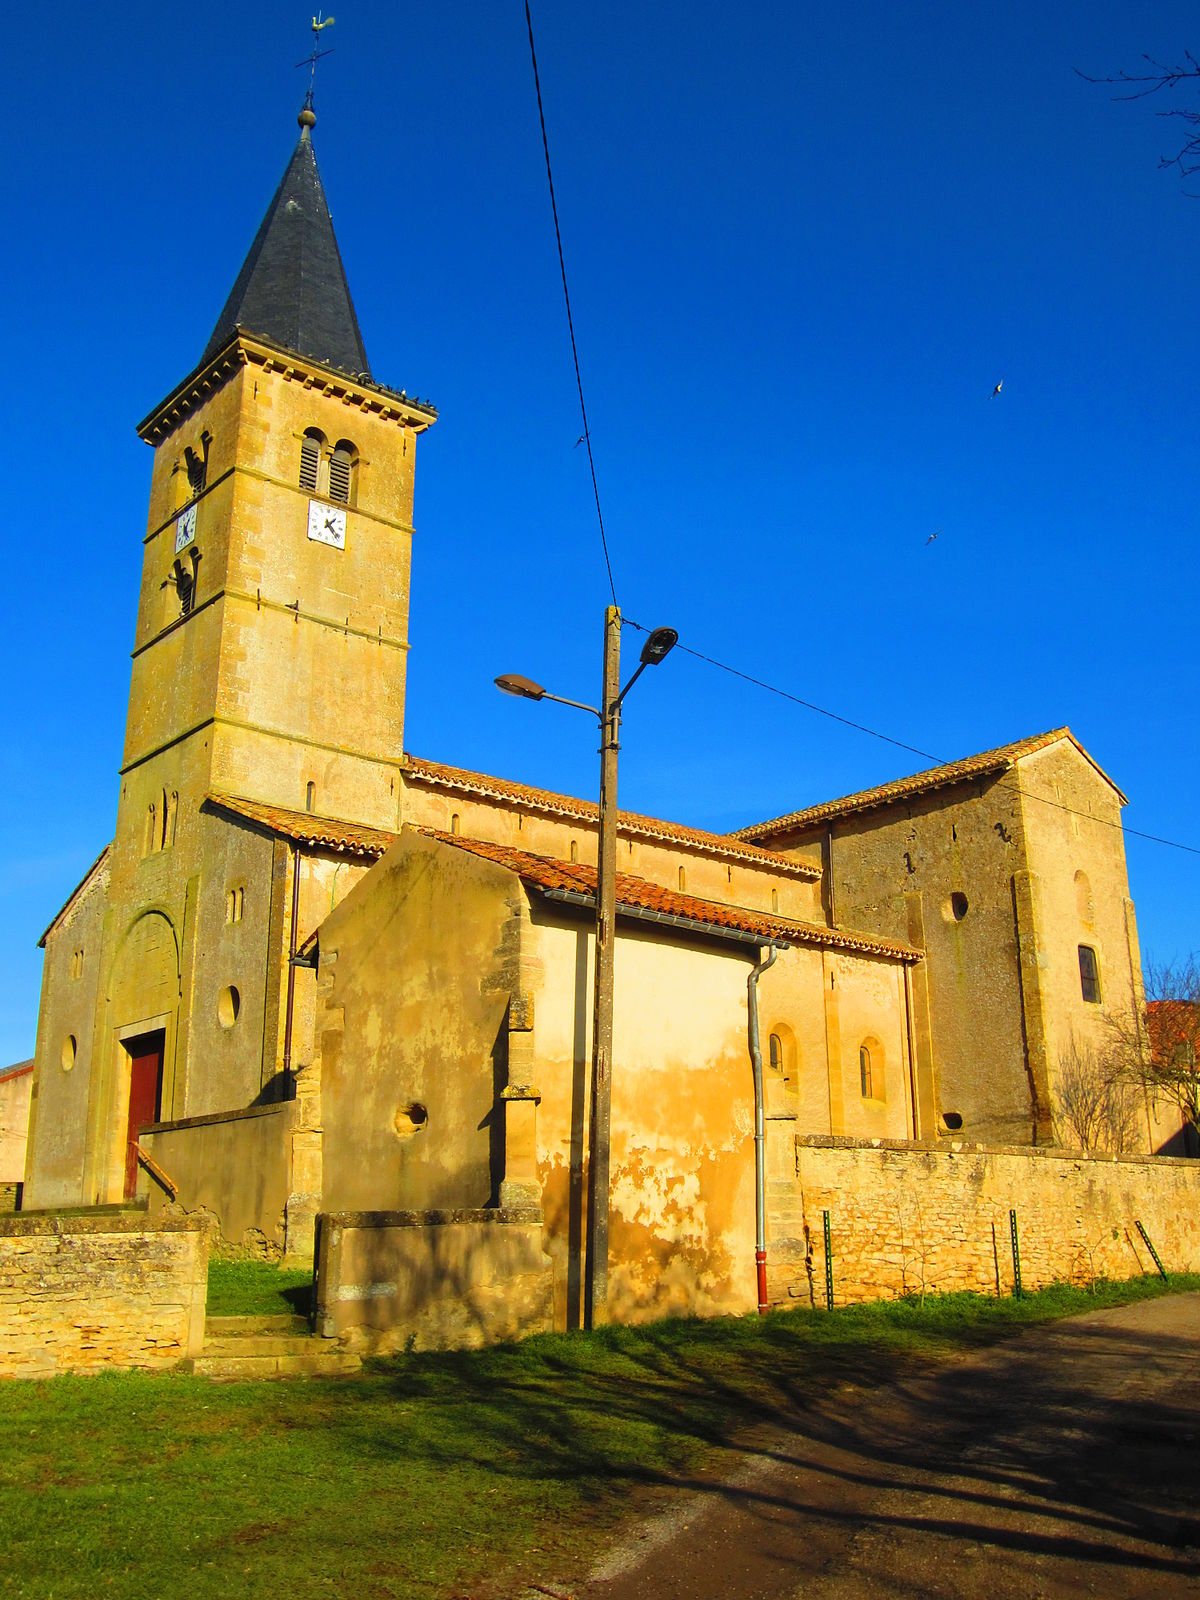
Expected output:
{"points": [[1162, 77]]}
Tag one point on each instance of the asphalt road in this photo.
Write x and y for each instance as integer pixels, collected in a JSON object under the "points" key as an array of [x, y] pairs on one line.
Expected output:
{"points": [[1062, 1463]]}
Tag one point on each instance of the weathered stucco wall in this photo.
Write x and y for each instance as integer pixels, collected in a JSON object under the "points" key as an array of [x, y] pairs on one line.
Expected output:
{"points": [[78, 1294], [430, 1280], [909, 1219], [234, 1167], [415, 981], [682, 1164]]}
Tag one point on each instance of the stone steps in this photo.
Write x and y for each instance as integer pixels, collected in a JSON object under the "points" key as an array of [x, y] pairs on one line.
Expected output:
{"points": [[268, 1347]]}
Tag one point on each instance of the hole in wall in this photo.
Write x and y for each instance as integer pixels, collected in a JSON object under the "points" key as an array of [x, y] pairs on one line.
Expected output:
{"points": [[957, 906], [952, 1121], [67, 1056], [409, 1118], [229, 1003]]}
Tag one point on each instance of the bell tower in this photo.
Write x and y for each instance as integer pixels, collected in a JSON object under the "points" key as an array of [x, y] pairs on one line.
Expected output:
{"points": [[268, 666], [272, 629]]}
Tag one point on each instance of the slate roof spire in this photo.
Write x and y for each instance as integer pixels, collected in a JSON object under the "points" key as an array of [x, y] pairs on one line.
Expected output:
{"points": [[292, 288]]}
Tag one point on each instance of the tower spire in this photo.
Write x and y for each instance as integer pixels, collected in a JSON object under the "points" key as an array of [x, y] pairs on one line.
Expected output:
{"points": [[292, 288]]}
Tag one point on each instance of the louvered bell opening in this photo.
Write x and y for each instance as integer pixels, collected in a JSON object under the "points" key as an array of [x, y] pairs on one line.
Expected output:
{"points": [[310, 460], [339, 476]]}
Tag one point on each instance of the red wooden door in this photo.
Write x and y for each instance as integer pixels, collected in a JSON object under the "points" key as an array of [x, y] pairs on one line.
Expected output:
{"points": [[145, 1090]]}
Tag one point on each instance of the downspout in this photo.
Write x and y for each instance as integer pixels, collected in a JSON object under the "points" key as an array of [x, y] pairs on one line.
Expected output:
{"points": [[760, 1164], [291, 976]]}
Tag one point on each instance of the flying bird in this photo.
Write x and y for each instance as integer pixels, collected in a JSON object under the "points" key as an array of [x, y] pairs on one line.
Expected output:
{"points": [[998, 388], [933, 536], [581, 440]]}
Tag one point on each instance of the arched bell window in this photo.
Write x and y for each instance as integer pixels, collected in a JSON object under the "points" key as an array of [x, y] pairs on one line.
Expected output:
{"points": [[342, 472], [310, 459]]}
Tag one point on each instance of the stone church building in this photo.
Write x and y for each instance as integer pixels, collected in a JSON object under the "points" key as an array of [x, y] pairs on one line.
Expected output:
{"points": [[315, 973]]}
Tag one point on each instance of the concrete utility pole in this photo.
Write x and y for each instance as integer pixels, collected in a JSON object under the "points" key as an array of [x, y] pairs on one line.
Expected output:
{"points": [[596, 1307], [658, 645]]}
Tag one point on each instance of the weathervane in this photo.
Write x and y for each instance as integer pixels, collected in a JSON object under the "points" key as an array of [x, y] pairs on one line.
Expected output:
{"points": [[310, 61]]}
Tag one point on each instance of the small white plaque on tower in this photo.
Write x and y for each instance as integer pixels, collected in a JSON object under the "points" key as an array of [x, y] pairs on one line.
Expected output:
{"points": [[327, 524], [185, 528]]}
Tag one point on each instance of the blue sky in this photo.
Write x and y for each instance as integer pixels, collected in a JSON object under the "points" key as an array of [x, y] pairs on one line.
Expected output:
{"points": [[803, 245]]}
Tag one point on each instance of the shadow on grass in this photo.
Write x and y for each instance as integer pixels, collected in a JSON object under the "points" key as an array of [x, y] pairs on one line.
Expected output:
{"points": [[674, 1404]]}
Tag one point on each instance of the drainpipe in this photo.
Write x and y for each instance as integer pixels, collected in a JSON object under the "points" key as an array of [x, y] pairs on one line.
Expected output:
{"points": [[760, 1164], [291, 976]]}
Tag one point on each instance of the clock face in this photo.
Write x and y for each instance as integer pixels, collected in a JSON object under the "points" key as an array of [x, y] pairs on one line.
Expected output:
{"points": [[327, 524], [185, 528]]}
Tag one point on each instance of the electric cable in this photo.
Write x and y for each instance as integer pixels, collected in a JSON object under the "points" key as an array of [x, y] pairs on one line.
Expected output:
{"points": [[899, 744], [562, 267]]}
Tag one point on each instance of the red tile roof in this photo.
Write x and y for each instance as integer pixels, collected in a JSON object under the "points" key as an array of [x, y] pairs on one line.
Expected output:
{"points": [[321, 833], [988, 762], [630, 824], [637, 895], [17, 1070]]}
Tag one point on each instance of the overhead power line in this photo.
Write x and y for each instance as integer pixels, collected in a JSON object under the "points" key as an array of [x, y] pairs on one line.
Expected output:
{"points": [[899, 744], [562, 267]]}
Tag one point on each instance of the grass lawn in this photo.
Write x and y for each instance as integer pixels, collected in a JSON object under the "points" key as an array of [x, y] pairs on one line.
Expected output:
{"points": [[257, 1289], [432, 1475]]}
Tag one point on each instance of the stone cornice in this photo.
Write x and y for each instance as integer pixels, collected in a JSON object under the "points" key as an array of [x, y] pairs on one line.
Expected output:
{"points": [[245, 349]]}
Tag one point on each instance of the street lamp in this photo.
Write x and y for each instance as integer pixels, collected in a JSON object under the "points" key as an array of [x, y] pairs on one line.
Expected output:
{"points": [[657, 647]]}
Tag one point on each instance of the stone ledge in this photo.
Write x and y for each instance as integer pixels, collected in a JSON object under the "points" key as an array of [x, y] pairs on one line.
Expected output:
{"points": [[497, 1216], [50, 1224], [966, 1147]]}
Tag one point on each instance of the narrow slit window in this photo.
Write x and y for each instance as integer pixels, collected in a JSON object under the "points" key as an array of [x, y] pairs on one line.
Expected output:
{"points": [[1089, 975], [310, 461], [865, 1073]]}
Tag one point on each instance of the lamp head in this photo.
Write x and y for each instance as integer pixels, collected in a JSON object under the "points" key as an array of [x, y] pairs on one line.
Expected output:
{"points": [[525, 688], [660, 644]]}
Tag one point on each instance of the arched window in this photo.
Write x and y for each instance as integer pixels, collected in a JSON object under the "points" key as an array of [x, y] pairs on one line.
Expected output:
{"points": [[310, 459], [573, 852], [150, 843], [782, 1077], [341, 472], [682, 879], [1089, 975], [310, 795], [870, 1069]]}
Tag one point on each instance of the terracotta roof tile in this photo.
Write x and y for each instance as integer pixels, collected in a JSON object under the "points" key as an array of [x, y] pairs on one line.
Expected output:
{"points": [[630, 823], [324, 833], [637, 895], [978, 766], [17, 1070]]}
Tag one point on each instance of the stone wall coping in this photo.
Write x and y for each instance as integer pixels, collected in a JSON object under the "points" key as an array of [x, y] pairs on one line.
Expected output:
{"points": [[48, 1223], [954, 1147], [212, 1117], [496, 1216]]}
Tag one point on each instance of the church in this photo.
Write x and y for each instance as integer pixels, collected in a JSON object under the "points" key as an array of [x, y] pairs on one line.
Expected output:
{"points": [[315, 974]]}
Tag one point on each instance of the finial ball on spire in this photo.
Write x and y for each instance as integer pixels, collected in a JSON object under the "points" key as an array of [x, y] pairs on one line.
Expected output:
{"points": [[307, 118]]}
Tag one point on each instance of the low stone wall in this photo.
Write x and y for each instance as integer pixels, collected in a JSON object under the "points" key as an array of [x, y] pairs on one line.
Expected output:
{"points": [[391, 1280], [234, 1165], [911, 1219], [82, 1293]]}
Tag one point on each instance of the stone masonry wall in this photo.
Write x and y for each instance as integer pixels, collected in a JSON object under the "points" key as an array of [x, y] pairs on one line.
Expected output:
{"points": [[912, 1219], [78, 1294], [393, 1280]]}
